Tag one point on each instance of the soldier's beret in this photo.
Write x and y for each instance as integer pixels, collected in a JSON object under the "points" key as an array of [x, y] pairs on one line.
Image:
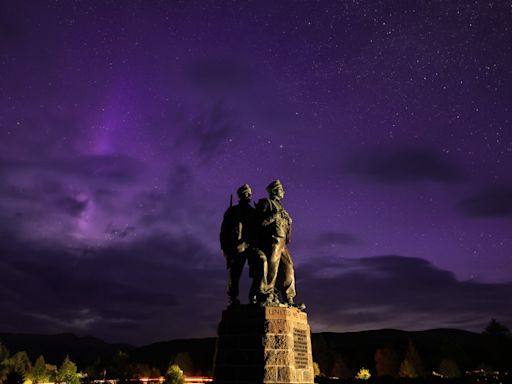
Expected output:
{"points": [[273, 185], [243, 188]]}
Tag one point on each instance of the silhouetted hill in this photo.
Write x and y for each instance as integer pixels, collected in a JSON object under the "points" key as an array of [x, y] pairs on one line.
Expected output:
{"points": [[357, 349], [350, 350], [82, 350], [467, 349]]}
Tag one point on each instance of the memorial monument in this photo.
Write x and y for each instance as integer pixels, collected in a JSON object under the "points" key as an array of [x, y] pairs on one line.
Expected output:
{"points": [[269, 339]]}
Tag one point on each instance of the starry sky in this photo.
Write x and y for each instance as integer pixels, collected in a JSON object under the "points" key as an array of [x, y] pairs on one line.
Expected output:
{"points": [[126, 125]]}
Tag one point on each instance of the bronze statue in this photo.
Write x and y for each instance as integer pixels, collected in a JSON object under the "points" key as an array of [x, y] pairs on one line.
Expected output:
{"points": [[259, 236], [275, 225], [237, 238]]}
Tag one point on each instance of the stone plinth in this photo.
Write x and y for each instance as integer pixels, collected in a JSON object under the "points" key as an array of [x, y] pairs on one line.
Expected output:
{"points": [[263, 345]]}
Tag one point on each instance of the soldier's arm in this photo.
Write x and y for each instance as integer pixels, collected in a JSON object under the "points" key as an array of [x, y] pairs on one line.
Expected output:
{"points": [[288, 234], [266, 214]]}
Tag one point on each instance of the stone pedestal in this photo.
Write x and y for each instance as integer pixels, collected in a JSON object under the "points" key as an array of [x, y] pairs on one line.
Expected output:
{"points": [[263, 345]]}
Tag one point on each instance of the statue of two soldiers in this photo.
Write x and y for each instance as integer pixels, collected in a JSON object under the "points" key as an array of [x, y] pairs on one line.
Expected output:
{"points": [[259, 236]]}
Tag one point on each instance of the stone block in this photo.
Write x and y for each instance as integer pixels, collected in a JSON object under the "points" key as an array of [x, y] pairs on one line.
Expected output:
{"points": [[277, 357], [276, 342], [285, 375], [308, 375], [277, 326], [270, 375]]}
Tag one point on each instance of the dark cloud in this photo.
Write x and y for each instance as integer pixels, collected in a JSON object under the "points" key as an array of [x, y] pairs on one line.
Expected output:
{"points": [[69, 192], [119, 232], [49, 288], [405, 165], [335, 238], [99, 200], [72, 205], [172, 285], [105, 168], [397, 292], [208, 132], [493, 202], [181, 200], [220, 75], [180, 179]]}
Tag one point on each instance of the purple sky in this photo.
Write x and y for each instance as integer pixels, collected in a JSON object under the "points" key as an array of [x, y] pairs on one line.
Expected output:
{"points": [[126, 125]]}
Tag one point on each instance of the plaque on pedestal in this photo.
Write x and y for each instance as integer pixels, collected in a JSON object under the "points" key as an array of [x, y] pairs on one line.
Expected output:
{"points": [[263, 345]]}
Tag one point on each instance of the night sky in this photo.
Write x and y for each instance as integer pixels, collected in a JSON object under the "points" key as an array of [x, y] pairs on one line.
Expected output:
{"points": [[126, 125]]}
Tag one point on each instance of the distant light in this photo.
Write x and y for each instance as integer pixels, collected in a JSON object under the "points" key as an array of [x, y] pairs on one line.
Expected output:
{"points": [[198, 379]]}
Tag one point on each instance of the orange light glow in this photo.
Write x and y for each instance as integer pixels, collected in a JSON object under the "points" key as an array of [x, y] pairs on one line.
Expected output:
{"points": [[198, 379]]}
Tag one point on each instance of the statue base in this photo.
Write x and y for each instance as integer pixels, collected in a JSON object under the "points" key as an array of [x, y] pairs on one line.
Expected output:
{"points": [[258, 345]]}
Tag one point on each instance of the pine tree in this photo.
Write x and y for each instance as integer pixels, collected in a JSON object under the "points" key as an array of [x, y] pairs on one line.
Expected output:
{"points": [[449, 368], [495, 328], [184, 361], [411, 366], [21, 364], [4, 363], [339, 367], [407, 370], [67, 372], [4, 353], [386, 362], [39, 373]]}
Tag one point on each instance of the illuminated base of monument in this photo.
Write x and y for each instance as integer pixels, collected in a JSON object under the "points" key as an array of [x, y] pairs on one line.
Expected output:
{"points": [[263, 345]]}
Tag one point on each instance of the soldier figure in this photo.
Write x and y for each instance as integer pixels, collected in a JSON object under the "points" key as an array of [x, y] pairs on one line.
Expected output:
{"points": [[274, 233], [237, 236]]}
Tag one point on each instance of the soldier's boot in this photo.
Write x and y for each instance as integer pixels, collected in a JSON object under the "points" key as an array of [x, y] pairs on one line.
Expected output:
{"points": [[271, 300], [291, 303]]}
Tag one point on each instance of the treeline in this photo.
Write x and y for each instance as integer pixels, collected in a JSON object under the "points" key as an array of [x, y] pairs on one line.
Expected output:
{"points": [[18, 369], [416, 355], [393, 354], [125, 368]]}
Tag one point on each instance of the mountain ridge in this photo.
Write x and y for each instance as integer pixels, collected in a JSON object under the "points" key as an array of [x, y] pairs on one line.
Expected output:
{"points": [[330, 349]]}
